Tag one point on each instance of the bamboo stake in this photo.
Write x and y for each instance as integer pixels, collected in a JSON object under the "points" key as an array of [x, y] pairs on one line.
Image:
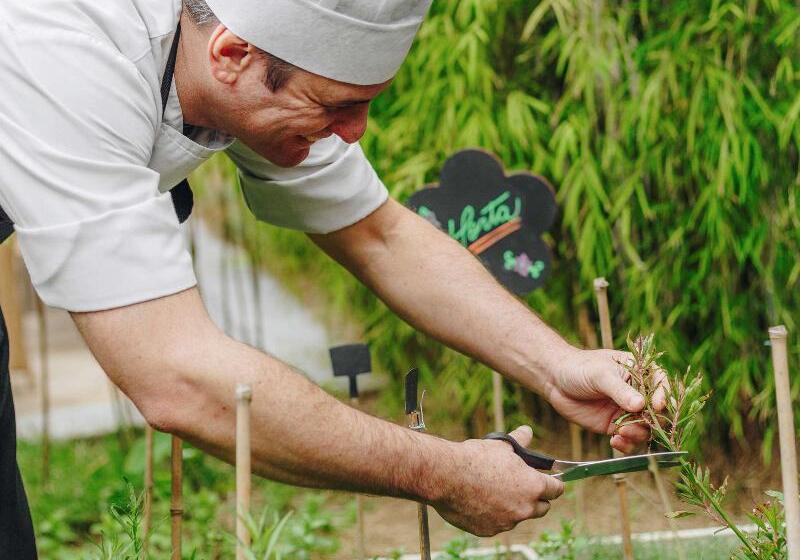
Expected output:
{"points": [[244, 395], [424, 532], [666, 504], [147, 514], [576, 441], [361, 552], [601, 293], [499, 422], [497, 401], [44, 369], [11, 305], [223, 266], [176, 504], [791, 495], [417, 423], [351, 360], [588, 334]]}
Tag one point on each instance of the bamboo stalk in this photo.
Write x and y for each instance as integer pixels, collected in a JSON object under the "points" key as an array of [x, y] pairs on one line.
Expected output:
{"points": [[497, 402], [576, 443], [44, 380], [601, 294], [499, 422], [176, 503], [147, 513], [244, 395], [665, 503], [415, 423], [10, 302], [361, 551], [783, 395], [424, 532], [223, 266]]}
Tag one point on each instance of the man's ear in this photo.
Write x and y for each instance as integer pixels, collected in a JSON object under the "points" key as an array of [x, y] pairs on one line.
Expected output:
{"points": [[228, 54]]}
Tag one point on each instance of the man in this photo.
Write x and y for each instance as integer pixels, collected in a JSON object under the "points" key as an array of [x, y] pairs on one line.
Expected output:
{"points": [[93, 130]]}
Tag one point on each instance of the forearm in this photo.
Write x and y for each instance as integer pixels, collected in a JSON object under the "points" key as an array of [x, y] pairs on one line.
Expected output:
{"points": [[300, 435], [442, 289]]}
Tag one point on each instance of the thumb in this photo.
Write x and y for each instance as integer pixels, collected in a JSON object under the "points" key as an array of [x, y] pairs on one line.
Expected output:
{"points": [[628, 398], [523, 435]]}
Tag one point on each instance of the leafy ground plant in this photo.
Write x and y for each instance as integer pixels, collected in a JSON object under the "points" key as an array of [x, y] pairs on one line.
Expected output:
{"points": [[672, 428]]}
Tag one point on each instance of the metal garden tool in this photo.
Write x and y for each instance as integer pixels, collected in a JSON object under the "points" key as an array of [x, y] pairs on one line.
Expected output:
{"points": [[416, 422], [577, 470]]}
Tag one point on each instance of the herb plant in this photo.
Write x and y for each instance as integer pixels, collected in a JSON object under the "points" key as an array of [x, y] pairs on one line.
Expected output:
{"points": [[685, 399]]}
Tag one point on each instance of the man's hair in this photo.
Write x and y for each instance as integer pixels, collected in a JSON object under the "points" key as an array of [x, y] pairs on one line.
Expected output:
{"points": [[278, 70]]}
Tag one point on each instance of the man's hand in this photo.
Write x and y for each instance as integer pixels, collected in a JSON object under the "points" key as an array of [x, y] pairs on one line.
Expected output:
{"points": [[591, 389], [494, 489]]}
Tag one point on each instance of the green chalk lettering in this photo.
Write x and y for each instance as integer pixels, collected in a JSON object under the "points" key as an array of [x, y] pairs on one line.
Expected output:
{"points": [[495, 213]]}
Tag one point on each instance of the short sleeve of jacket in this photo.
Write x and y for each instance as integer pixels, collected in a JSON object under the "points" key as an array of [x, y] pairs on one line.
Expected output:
{"points": [[77, 126], [333, 188]]}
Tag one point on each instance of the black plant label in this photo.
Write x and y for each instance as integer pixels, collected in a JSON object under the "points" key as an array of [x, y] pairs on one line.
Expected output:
{"points": [[499, 218]]}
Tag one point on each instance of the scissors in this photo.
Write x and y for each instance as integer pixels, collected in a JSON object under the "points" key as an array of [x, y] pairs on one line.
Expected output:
{"points": [[572, 470]]}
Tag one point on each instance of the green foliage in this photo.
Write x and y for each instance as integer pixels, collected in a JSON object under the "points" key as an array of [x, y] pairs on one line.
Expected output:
{"points": [[124, 540], [670, 131], [558, 546], [90, 510]]}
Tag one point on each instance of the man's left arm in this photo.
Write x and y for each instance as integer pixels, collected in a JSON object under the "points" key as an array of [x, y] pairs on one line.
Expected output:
{"points": [[442, 289]]}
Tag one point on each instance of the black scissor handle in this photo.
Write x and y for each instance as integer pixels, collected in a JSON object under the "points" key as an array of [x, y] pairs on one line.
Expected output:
{"points": [[532, 458]]}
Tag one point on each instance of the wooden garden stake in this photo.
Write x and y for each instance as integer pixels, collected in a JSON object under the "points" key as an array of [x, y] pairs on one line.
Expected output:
{"points": [[417, 423], [244, 395], [601, 293], [351, 360], [147, 513], [10, 303], [664, 496], [576, 443], [780, 363], [176, 504], [44, 369], [497, 402]]}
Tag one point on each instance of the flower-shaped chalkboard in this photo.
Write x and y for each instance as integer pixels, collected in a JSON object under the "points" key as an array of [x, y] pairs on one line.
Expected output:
{"points": [[498, 218]]}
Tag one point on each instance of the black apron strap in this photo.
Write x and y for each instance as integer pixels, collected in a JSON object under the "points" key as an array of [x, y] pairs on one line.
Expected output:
{"points": [[182, 197], [6, 227]]}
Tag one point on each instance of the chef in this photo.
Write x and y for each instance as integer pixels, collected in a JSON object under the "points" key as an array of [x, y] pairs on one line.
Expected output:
{"points": [[106, 107]]}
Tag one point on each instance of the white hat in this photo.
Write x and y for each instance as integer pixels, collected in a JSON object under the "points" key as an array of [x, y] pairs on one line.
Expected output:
{"points": [[355, 41]]}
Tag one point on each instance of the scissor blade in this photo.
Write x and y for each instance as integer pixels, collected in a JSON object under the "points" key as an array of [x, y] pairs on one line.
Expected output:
{"points": [[621, 465]]}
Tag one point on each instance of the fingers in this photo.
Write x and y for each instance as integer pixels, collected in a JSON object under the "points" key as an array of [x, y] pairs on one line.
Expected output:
{"points": [[622, 444], [660, 396], [540, 509], [523, 435], [621, 393], [553, 488], [637, 433], [628, 437]]}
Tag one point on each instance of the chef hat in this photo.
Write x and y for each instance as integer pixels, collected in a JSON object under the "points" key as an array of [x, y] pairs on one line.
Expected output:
{"points": [[354, 41]]}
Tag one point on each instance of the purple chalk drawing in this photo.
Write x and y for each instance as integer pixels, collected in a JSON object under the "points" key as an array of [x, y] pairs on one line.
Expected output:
{"points": [[522, 264]]}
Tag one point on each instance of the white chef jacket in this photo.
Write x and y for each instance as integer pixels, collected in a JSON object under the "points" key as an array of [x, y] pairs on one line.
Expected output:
{"points": [[86, 159]]}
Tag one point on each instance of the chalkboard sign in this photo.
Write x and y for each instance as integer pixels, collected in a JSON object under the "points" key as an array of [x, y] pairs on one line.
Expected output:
{"points": [[498, 218]]}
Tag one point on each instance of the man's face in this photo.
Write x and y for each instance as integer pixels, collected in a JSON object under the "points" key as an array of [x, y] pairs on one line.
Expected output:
{"points": [[280, 125]]}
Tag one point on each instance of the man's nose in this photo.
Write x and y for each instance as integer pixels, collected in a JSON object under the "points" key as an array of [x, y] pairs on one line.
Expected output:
{"points": [[351, 123]]}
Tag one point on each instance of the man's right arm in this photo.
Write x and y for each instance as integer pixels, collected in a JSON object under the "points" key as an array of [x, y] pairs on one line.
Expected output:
{"points": [[181, 371]]}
